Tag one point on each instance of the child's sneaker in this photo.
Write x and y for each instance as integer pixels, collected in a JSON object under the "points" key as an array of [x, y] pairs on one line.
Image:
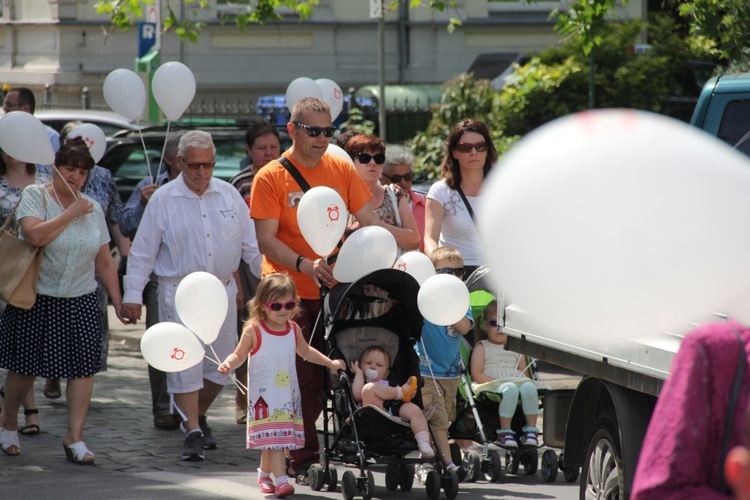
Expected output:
{"points": [[531, 436], [284, 490], [410, 389], [506, 440], [266, 484]]}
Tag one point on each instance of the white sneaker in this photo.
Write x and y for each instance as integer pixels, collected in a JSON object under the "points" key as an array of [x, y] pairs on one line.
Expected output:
{"points": [[421, 471]]}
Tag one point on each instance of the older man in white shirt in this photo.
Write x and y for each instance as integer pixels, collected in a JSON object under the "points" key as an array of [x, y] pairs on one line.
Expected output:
{"points": [[195, 223]]}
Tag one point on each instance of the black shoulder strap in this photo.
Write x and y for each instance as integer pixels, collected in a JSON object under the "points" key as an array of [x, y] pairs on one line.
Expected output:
{"points": [[729, 418], [295, 173], [466, 202]]}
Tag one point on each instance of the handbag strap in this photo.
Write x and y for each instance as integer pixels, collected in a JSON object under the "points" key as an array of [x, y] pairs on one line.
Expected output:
{"points": [[466, 202], [297, 176], [729, 418]]}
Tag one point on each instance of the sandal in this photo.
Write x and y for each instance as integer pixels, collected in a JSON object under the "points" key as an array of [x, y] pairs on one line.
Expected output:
{"points": [[77, 452], [9, 443], [30, 429], [52, 388]]}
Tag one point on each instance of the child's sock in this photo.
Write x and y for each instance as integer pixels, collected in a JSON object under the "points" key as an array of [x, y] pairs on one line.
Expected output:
{"points": [[281, 480], [262, 474], [423, 440], [399, 393]]}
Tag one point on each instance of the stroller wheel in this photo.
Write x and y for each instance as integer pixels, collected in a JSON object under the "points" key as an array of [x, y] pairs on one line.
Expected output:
{"points": [[472, 464], [571, 474], [512, 461], [392, 477], [432, 484], [332, 478], [406, 479], [455, 453], [549, 466], [450, 484], [493, 469], [368, 488], [315, 477], [348, 485], [530, 460]]}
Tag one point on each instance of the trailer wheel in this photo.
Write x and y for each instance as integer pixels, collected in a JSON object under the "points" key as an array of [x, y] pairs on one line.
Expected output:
{"points": [[602, 469]]}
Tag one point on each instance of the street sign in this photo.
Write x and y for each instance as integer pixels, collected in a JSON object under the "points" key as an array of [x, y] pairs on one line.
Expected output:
{"points": [[147, 35], [376, 9]]}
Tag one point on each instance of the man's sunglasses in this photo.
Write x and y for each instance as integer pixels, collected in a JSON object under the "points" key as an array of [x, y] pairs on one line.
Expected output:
{"points": [[195, 165], [276, 306], [397, 178], [465, 147], [315, 131], [365, 158], [458, 272]]}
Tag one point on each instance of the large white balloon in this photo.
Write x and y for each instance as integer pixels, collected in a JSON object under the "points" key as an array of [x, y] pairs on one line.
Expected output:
{"points": [[202, 303], [322, 216], [170, 347], [300, 88], [417, 264], [125, 93], [613, 225], [94, 138], [174, 89], [337, 151], [366, 250], [443, 299], [332, 95], [24, 138]]}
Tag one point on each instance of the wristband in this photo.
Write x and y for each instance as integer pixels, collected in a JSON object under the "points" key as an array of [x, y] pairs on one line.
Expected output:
{"points": [[299, 261]]}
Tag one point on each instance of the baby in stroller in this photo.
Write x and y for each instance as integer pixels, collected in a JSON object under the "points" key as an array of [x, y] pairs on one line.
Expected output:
{"points": [[374, 365], [495, 369]]}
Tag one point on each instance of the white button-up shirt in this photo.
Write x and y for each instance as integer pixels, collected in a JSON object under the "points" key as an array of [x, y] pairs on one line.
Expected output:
{"points": [[182, 233]]}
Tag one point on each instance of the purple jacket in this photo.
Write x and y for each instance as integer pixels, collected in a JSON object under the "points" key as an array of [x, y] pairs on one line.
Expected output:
{"points": [[680, 455]]}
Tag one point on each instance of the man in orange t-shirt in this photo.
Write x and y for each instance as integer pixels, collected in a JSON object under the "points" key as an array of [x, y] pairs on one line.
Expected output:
{"points": [[274, 199]]}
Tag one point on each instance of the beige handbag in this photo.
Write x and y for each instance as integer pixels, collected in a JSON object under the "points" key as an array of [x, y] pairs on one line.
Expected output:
{"points": [[20, 264]]}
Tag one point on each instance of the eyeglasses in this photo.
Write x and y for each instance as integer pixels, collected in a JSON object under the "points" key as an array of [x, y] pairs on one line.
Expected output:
{"points": [[397, 178], [465, 147], [458, 272], [195, 165], [493, 322], [11, 105], [276, 306], [315, 131], [365, 158]]}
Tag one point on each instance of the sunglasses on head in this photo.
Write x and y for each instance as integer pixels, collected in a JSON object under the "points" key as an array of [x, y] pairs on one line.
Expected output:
{"points": [[465, 147], [364, 158], [315, 131], [408, 177], [458, 272], [276, 306]]}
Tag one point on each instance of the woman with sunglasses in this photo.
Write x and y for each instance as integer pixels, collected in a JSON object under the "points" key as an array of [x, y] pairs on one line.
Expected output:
{"points": [[399, 169], [389, 202], [453, 201]]}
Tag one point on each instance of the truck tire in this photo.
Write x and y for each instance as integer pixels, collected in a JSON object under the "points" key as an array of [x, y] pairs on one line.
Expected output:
{"points": [[602, 468]]}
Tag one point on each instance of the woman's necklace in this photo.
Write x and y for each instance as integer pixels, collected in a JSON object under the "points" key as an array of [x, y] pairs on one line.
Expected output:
{"points": [[54, 191]]}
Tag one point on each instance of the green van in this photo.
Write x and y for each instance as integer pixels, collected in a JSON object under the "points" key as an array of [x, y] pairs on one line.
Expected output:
{"points": [[723, 109]]}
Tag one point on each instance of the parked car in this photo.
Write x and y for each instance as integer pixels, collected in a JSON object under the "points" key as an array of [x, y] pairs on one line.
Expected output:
{"points": [[109, 121], [126, 158]]}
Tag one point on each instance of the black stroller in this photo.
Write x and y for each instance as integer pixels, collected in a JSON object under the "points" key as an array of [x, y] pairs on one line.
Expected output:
{"points": [[379, 309]]}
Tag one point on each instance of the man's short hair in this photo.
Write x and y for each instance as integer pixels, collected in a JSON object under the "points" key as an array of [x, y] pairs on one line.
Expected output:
{"points": [[308, 104], [446, 253], [195, 139], [398, 155], [259, 128], [25, 96]]}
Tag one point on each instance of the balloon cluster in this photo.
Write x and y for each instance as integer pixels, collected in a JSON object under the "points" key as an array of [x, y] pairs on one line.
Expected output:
{"points": [[324, 89], [202, 304]]}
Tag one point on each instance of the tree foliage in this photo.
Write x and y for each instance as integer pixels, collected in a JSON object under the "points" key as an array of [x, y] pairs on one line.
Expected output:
{"points": [[727, 22]]}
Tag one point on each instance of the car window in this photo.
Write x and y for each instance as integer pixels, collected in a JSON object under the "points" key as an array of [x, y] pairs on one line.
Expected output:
{"points": [[734, 124]]}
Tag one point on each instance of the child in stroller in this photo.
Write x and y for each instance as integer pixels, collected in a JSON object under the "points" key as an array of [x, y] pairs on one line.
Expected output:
{"points": [[375, 364]]}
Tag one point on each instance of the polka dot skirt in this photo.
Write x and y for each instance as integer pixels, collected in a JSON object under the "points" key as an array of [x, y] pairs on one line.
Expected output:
{"points": [[57, 338]]}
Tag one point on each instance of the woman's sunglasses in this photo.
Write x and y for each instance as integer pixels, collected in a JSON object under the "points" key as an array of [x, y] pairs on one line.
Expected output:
{"points": [[408, 177], [365, 158], [458, 272], [316, 131], [465, 147], [276, 306]]}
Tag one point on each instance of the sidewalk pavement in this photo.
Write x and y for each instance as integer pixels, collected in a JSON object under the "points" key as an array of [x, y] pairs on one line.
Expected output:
{"points": [[133, 459]]}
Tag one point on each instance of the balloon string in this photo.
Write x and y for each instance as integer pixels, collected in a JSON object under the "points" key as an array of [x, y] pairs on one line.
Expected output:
{"points": [[163, 149], [232, 377], [145, 151], [75, 196]]}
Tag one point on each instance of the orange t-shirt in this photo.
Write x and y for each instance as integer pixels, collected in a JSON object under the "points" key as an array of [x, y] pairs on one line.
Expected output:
{"points": [[275, 195]]}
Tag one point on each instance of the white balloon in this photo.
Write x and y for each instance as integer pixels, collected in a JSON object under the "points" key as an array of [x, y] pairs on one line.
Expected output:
{"points": [[24, 138], [125, 93], [322, 216], [299, 89], [613, 225], [337, 151], [443, 299], [332, 95], [417, 264], [202, 303], [173, 86], [170, 347], [94, 138], [366, 250]]}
